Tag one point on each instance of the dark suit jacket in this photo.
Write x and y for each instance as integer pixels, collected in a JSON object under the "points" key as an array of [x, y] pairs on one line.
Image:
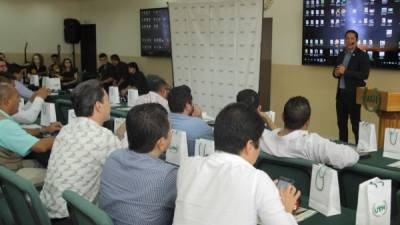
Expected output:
{"points": [[356, 73]]}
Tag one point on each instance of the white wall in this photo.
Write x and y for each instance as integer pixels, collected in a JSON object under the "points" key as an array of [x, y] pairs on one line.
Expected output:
{"points": [[287, 31], [38, 22], [117, 23]]}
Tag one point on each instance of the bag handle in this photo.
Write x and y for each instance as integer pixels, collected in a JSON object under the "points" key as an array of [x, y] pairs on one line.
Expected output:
{"points": [[375, 183], [392, 132], [321, 174]]}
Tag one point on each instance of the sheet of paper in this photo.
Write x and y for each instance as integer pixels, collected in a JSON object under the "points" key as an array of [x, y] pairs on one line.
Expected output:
{"points": [[395, 164]]}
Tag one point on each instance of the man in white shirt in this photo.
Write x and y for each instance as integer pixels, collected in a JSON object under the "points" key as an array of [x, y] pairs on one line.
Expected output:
{"points": [[295, 141], [80, 150], [159, 91], [225, 188]]}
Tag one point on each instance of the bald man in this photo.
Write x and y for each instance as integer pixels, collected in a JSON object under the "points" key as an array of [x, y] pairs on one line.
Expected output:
{"points": [[15, 142]]}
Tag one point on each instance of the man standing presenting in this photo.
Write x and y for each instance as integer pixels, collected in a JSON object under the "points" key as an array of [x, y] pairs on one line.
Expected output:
{"points": [[351, 70]]}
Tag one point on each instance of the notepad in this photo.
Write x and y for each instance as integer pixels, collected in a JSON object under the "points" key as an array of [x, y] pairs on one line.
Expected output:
{"points": [[305, 215], [395, 164]]}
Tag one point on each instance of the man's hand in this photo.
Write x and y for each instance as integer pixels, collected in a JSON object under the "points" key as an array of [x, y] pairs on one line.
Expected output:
{"points": [[53, 127], [267, 120], [339, 71], [42, 93], [289, 197], [196, 111]]}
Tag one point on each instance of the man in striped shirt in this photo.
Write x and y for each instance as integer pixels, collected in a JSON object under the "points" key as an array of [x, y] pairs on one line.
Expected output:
{"points": [[136, 186]]}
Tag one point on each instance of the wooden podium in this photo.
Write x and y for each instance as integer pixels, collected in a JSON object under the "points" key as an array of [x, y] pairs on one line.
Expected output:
{"points": [[385, 104]]}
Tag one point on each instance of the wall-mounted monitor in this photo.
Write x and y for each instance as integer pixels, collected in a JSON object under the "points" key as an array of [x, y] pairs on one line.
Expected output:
{"points": [[376, 21], [155, 33]]}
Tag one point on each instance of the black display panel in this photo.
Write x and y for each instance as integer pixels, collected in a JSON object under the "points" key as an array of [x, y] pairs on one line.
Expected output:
{"points": [[376, 21], [155, 33]]}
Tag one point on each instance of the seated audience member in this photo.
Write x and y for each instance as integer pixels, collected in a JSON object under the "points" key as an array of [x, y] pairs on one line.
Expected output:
{"points": [[135, 79], [185, 116], [3, 66], [158, 94], [136, 186], [3, 58], [224, 188], [106, 71], [69, 75], [16, 75], [121, 70], [295, 141], [55, 67], [37, 66], [31, 110], [252, 100], [80, 150], [16, 142]]}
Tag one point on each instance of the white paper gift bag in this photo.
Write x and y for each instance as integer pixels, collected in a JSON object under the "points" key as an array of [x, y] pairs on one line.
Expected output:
{"points": [[117, 123], [271, 115], [374, 202], [48, 114], [34, 80], [178, 149], [71, 115], [391, 147], [324, 191], [21, 104], [204, 147], [113, 94], [51, 83], [367, 137], [133, 94]]}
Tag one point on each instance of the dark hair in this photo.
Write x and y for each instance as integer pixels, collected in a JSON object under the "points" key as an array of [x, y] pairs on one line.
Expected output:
{"points": [[351, 32], [234, 126], [54, 56], [115, 57], [103, 55], [133, 65], [157, 84], [145, 125], [178, 98], [41, 60], [296, 113], [14, 68], [63, 64], [248, 97], [85, 95]]}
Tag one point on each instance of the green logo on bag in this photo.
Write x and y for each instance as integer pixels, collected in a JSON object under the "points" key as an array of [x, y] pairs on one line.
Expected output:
{"points": [[379, 209]]}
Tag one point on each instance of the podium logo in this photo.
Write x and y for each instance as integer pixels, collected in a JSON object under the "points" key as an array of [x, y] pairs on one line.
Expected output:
{"points": [[379, 209], [373, 100]]}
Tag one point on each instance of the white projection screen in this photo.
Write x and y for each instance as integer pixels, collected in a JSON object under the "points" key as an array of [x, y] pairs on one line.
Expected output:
{"points": [[216, 49]]}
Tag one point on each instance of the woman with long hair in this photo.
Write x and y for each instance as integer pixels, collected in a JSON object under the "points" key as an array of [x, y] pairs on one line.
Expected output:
{"points": [[69, 75], [135, 79], [37, 66]]}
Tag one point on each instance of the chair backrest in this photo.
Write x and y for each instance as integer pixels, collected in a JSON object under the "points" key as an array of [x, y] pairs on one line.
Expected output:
{"points": [[297, 169], [83, 212], [22, 199], [62, 108]]}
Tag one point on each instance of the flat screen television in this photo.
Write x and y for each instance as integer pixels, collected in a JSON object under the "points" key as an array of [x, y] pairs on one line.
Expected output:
{"points": [[155, 36], [376, 21]]}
